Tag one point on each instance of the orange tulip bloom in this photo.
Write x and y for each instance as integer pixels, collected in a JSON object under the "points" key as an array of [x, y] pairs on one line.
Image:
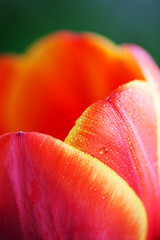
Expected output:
{"points": [[100, 180]]}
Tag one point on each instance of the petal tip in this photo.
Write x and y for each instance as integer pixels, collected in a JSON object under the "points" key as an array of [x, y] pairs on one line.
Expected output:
{"points": [[20, 133]]}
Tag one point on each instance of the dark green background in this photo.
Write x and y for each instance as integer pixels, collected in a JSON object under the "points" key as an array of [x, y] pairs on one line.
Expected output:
{"points": [[136, 21]]}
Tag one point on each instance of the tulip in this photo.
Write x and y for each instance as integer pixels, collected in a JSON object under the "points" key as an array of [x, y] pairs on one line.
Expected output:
{"points": [[95, 179]]}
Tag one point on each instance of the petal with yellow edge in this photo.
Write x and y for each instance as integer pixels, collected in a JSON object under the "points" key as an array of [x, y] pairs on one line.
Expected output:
{"points": [[50, 190], [121, 131], [59, 77]]}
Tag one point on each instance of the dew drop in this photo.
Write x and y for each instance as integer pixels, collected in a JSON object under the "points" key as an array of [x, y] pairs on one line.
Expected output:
{"points": [[103, 151], [105, 196]]}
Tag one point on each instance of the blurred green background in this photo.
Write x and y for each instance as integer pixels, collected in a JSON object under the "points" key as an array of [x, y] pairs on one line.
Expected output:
{"points": [[134, 21]]}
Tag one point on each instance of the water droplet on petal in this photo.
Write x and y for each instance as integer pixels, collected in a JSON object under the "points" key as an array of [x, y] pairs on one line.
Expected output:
{"points": [[105, 196], [103, 151]]}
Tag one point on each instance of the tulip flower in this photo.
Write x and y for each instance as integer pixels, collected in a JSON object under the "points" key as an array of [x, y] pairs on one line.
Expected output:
{"points": [[87, 164]]}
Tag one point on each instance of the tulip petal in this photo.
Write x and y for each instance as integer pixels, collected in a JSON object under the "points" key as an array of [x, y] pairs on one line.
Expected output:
{"points": [[149, 69], [50, 190], [151, 72], [8, 68], [122, 132], [61, 76]]}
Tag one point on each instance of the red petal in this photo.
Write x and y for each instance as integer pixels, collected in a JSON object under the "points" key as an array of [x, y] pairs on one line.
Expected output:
{"points": [[122, 132], [49, 190]]}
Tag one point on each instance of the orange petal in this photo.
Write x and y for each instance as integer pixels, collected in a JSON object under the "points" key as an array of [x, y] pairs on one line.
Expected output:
{"points": [[49, 190], [8, 68], [122, 132], [61, 76]]}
